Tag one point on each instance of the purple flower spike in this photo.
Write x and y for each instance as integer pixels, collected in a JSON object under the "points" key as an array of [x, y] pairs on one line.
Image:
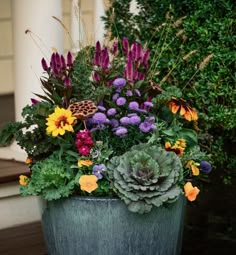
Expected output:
{"points": [[44, 64], [133, 105], [145, 59], [98, 47], [96, 77], [53, 64], [67, 81], [104, 58], [111, 112], [69, 59], [58, 60], [98, 170], [100, 118], [125, 44], [121, 101], [125, 121], [119, 82], [114, 49], [129, 72], [121, 131], [34, 101], [63, 62], [138, 52], [205, 167]]}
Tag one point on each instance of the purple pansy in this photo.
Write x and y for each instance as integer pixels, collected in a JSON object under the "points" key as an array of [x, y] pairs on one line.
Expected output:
{"points": [[205, 167], [98, 170]]}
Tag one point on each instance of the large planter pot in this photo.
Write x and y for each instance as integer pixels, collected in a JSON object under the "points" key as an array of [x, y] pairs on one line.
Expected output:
{"points": [[104, 226]]}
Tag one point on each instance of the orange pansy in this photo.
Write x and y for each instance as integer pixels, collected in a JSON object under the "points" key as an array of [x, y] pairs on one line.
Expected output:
{"points": [[23, 180], [190, 191], [85, 162], [88, 183]]}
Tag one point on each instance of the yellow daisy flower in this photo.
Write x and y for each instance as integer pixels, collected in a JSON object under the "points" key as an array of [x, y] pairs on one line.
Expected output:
{"points": [[60, 121]]}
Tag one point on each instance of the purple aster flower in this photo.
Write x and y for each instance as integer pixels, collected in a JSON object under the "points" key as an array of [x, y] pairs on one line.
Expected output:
{"points": [[100, 118], [114, 123], [119, 82], [133, 105], [101, 108], [147, 125], [111, 111], [135, 120], [205, 167], [129, 93], [121, 131], [148, 104], [125, 120], [121, 101], [98, 170], [137, 92], [115, 96]]}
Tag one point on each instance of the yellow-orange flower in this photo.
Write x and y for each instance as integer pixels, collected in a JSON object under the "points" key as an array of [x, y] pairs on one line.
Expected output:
{"points": [[23, 180], [193, 166], [178, 147], [60, 121], [28, 161], [85, 162], [88, 183], [190, 191], [184, 109]]}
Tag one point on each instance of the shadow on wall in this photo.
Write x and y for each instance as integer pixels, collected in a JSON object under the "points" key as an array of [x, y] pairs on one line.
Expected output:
{"points": [[7, 109]]}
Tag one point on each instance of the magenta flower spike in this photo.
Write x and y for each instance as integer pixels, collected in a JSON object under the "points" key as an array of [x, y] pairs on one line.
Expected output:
{"points": [[138, 52], [96, 77], [125, 44], [104, 58], [98, 47], [44, 64], [69, 59], [53, 61], [114, 49], [63, 62], [67, 82], [129, 72], [145, 59], [58, 60]]}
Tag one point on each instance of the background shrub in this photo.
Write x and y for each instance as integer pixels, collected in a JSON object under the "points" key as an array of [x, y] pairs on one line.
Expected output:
{"points": [[193, 42]]}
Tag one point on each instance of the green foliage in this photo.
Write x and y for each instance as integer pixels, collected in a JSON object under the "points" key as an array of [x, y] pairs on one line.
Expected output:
{"points": [[146, 176], [50, 178], [8, 132], [193, 47]]}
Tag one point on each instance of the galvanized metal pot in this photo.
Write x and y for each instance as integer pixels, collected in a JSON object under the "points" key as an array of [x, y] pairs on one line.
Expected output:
{"points": [[104, 226]]}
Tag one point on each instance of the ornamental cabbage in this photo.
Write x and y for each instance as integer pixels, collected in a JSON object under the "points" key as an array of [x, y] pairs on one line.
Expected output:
{"points": [[146, 176]]}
